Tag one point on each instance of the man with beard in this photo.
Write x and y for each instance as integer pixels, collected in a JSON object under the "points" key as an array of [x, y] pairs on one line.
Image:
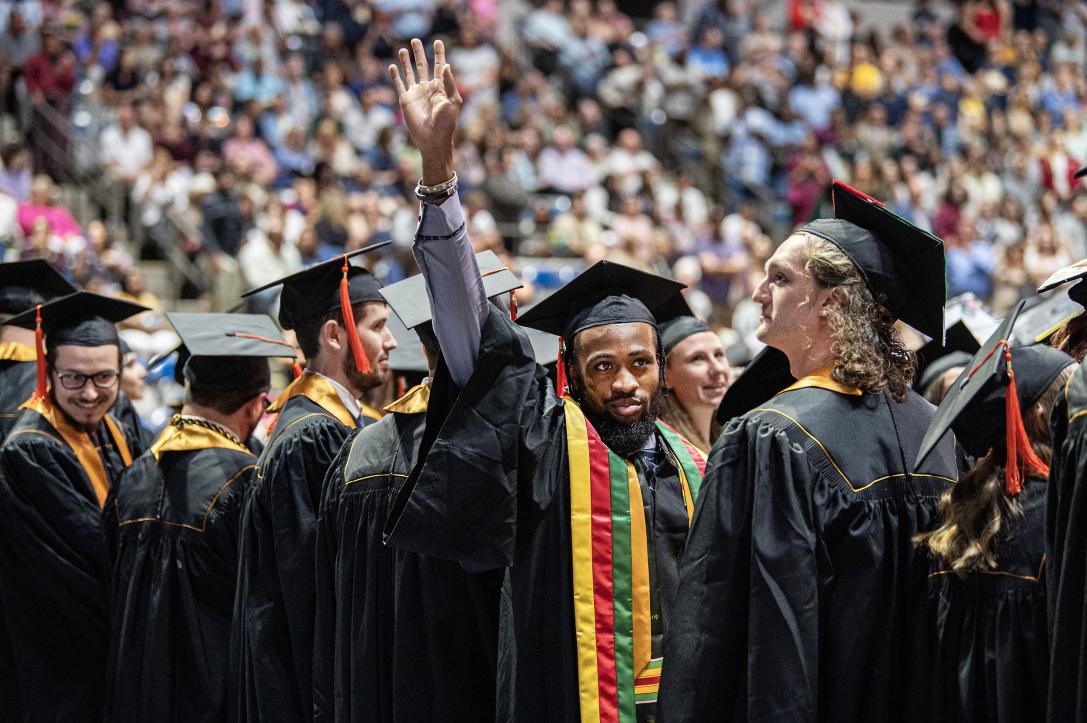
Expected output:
{"points": [[347, 347], [801, 581], [23, 284], [390, 622], [584, 497], [171, 525], [57, 467]]}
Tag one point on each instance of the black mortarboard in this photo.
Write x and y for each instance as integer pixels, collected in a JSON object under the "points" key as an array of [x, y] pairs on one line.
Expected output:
{"points": [[1081, 172], [324, 287], [315, 290], [408, 298], [967, 323], [1045, 317], [408, 355], [227, 351], [24, 284], [766, 375], [676, 330], [79, 319], [1074, 272], [941, 366], [976, 405], [898, 261], [607, 293]]}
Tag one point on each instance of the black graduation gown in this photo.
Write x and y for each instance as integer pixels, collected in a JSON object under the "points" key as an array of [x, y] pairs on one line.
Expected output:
{"points": [[272, 633], [493, 492], [172, 531], [399, 636], [17, 380], [1066, 554], [982, 652], [54, 575], [800, 579]]}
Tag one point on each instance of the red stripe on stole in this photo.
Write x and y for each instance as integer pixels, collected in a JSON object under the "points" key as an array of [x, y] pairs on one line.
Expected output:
{"points": [[695, 452], [603, 584]]}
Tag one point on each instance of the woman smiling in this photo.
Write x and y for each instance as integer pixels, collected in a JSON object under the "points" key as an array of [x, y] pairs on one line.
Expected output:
{"points": [[695, 379]]}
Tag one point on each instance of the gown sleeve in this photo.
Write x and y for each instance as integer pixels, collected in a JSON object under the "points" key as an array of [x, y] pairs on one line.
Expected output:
{"points": [[274, 606], [747, 612], [460, 502], [1066, 562]]}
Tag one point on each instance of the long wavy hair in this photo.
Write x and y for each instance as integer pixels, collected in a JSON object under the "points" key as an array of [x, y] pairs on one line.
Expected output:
{"points": [[974, 512], [869, 355]]}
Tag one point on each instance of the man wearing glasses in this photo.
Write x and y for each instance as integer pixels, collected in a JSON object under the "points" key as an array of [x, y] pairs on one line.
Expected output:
{"points": [[57, 466]]}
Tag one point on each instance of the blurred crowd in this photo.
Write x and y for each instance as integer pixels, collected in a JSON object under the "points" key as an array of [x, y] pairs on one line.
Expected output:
{"points": [[254, 137]]}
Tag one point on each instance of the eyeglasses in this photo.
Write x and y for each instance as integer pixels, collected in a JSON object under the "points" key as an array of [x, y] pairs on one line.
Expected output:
{"points": [[75, 380]]}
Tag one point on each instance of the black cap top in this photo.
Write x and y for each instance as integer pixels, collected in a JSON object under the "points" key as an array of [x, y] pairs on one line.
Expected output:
{"points": [[230, 335], [79, 319], [315, 290], [967, 323], [607, 293], [408, 355], [935, 370], [24, 284], [974, 406], [766, 375], [408, 298], [1043, 319], [896, 259], [1081, 172], [676, 330], [1062, 276]]}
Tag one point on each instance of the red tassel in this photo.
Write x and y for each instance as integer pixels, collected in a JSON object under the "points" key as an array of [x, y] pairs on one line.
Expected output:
{"points": [[1016, 442], [560, 369], [362, 363], [513, 306], [41, 389], [296, 370], [401, 387]]}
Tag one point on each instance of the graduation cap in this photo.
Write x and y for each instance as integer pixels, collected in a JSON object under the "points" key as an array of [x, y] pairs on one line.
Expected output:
{"points": [[408, 355], [766, 375], [987, 398], [324, 287], [408, 298], [24, 284], [223, 352], [605, 293], [676, 330], [1081, 172], [967, 323], [1039, 322], [897, 260], [77, 319]]}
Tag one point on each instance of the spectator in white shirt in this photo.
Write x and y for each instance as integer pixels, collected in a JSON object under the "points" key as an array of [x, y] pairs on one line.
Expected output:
{"points": [[564, 167], [126, 147]]}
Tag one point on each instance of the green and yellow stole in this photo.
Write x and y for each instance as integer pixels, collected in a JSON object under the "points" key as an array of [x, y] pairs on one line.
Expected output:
{"points": [[610, 555]]}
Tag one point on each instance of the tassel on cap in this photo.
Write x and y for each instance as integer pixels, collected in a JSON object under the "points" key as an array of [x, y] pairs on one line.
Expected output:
{"points": [[513, 306], [560, 369], [1016, 441], [362, 363], [41, 388], [296, 370]]}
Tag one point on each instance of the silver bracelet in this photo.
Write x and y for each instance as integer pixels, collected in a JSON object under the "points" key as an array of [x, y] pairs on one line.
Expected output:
{"points": [[421, 190]]}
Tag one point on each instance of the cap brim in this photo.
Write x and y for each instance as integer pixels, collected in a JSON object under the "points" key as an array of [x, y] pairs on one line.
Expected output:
{"points": [[1043, 319], [230, 335], [766, 375], [36, 275], [1062, 276], [81, 304]]}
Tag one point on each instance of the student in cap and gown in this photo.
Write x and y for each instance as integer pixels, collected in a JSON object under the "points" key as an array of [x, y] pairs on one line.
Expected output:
{"points": [[584, 497], [171, 526], [1066, 531], [23, 285], [801, 577], [57, 466], [696, 377], [390, 622], [981, 649], [967, 323], [346, 347], [1067, 325]]}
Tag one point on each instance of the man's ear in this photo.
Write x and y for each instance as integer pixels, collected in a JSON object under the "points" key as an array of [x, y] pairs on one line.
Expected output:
{"points": [[832, 300], [331, 335]]}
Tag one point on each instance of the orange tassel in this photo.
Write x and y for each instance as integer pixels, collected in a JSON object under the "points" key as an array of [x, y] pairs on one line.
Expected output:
{"points": [[41, 389], [560, 369], [296, 370], [513, 306], [401, 387], [1016, 442], [362, 363]]}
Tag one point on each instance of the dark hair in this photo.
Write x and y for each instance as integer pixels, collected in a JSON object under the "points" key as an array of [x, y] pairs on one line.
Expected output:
{"points": [[225, 384], [308, 330], [224, 402]]}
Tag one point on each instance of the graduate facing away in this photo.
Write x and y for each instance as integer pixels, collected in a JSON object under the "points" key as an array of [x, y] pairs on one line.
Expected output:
{"points": [[582, 495], [801, 577]]}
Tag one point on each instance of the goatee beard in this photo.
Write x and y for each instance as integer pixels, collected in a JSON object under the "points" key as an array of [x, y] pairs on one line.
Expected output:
{"points": [[358, 380], [621, 437]]}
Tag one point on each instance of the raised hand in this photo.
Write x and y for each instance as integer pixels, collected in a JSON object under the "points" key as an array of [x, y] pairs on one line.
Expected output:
{"points": [[431, 107]]}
